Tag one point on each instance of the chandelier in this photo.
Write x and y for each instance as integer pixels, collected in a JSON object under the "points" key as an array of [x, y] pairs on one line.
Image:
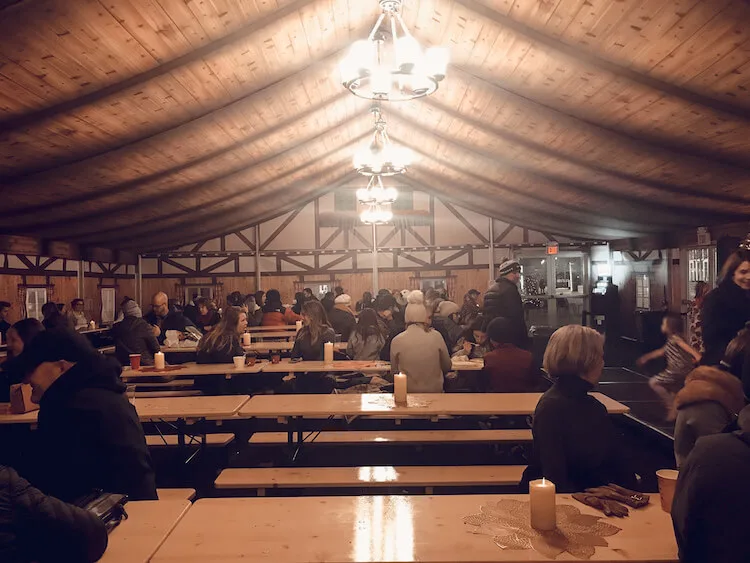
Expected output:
{"points": [[391, 66], [381, 157], [376, 214], [376, 193]]}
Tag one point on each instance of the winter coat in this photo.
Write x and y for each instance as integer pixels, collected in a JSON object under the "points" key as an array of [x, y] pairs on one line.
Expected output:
{"points": [[278, 316], [392, 328], [726, 309], [342, 320], [423, 357], [709, 402], [358, 348], [220, 356], [90, 436], [36, 527], [710, 510], [173, 321], [504, 300], [575, 444], [134, 336], [448, 329], [211, 319], [509, 369], [311, 351]]}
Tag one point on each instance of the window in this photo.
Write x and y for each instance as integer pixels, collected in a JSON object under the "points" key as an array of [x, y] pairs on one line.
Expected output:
{"points": [[206, 291], [35, 298], [434, 283], [699, 267], [642, 292], [108, 305]]}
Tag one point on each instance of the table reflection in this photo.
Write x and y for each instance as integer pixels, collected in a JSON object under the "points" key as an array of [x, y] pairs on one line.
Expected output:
{"points": [[384, 529]]}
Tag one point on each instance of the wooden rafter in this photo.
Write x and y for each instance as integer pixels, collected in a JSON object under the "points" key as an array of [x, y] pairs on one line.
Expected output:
{"points": [[331, 238], [506, 231], [291, 217], [453, 256], [465, 222]]}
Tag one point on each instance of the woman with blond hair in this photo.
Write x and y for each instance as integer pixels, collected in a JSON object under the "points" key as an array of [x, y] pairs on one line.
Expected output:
{"points": [[575, 444]]}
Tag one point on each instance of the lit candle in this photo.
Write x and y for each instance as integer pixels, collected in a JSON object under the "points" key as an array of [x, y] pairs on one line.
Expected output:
{"points": [[92, 325], [247, 339], [159, 362], [299, 325], [399, 388], [542, 501], [328, 352]]}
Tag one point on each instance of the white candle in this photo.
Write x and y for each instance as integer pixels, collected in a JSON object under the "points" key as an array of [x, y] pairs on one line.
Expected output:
{"points": [[159, 362], [328, 352], [247, 339], [399, 388], [92, 325], [298, 324], [542, 501]]}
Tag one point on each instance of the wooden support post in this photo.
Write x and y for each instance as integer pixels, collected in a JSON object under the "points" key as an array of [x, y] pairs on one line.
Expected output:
{"points": [[139, 281], [80, 279], [375, 274], [492, 250], [257, 260]]}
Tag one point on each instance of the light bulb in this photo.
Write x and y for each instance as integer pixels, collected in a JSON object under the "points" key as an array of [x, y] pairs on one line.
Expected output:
{"points": [[408, 53], [436, 62]]}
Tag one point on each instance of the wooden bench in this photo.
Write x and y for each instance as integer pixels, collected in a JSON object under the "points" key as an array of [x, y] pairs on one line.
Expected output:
{"points": [[409, 437], [171, 440], [176, 494], [369, 477]]}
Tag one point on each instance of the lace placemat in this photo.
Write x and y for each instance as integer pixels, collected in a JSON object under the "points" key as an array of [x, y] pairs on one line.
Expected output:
{"points": [[508, 522]]}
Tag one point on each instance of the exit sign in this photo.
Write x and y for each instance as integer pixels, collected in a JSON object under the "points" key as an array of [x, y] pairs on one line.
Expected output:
{"points": [[553, 248]]}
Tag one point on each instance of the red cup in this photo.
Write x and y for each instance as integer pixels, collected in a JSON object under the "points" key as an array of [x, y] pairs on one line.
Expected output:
{"points": [[135, 361], [251, 360], [275, 358]]}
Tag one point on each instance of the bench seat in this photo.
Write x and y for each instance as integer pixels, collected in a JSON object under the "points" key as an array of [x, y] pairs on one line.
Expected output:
{"points": [[171, 440], [354, 437]]}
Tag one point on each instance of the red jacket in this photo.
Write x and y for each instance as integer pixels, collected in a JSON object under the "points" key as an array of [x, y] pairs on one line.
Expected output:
{"points": [[277, 318], [509, 369]]}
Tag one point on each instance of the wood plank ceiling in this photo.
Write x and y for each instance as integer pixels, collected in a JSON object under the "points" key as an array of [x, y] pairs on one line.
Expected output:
{"points": [[145, 124]]}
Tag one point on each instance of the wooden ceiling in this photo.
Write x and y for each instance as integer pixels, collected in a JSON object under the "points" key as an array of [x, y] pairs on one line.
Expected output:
{"points": [[146, 124]]}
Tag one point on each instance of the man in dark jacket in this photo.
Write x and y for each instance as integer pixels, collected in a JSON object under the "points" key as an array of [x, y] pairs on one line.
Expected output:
{"points": [[504, 300], [133, 335], [384, 307], [89, 434], [341, 317], [36, 527], [710, 510], [191, 309], [163, 319]]}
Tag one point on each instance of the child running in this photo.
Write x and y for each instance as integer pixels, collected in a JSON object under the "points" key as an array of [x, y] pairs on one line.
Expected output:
{"points": [[680, 356]]}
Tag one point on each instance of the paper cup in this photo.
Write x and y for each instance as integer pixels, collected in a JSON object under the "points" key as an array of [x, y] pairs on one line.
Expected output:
{"points": [[239, 362], [667, 479], [135, 361]]}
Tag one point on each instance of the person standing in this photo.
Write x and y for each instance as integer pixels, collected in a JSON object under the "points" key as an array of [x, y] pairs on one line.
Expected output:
{"points": [[504, 300], [4, 324], [726, 309]]}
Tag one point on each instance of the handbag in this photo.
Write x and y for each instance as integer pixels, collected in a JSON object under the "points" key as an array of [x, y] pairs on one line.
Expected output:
{"points": [[108, 507]]}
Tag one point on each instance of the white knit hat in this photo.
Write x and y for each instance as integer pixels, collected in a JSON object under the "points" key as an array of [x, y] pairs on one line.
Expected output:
{"points": [[343, 299], [416, 312]]}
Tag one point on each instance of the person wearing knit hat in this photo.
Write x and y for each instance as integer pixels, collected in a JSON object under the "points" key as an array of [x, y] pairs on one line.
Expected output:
{"points": [[503, 299], [444, 320], [341, 316], [133, 335], [420, 351], [507, 368]]}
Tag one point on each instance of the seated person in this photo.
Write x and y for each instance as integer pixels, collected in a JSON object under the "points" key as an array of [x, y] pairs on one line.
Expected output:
{"points": [[133, 335], [4, 324], [315, 332], [77, 315], [709, 512], [368, 337], [341, 317], [474, 342], [575, 443], [208, 317], [89, 434], [223, 343], [444, 320], [162, 318], [36, 527], [385, 307], [254, 312], [19, 335], [507, 368], [53, 318], [274, 313], [420, 351]]}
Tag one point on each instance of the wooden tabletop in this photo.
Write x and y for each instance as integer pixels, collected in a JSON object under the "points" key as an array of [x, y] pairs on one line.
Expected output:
{"points": [[281, 346], [292, 328], [7, 418], [382, 528], [287, 366], [426, 404], [149, 523], [191, 369]]}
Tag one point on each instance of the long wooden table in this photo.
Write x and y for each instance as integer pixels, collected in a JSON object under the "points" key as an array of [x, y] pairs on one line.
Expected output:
{"points": [[340, 366], [429, 529], [149, 523], [192, 369], [291, 328], [283, 346]]}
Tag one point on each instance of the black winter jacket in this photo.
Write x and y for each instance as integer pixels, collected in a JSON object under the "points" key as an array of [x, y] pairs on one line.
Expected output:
{"points": [[710, 513], [133, 335], [575, 444], [504, 300], [36, 527], [307, 350], [173, 321], [90, 437], [725, 311], [223, 356], [343, 322]]}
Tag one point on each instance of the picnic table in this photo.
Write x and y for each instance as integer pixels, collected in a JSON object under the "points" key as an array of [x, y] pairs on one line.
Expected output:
{"points": [[271, 346], [190, 369], [149, 523], [429, 529], [340, 366]]}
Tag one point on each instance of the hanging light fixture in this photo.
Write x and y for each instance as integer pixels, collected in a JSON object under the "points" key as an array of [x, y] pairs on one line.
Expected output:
{"points": [[376, 214], [389, 65], [376, 192], [381, 157]]}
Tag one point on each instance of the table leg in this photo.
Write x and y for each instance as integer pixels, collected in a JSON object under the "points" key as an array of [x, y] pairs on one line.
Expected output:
{"points": [[296, 427]]}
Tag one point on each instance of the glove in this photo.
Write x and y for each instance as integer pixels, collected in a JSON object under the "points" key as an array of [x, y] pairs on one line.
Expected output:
{"points": [[609, 507], [620, 494]]}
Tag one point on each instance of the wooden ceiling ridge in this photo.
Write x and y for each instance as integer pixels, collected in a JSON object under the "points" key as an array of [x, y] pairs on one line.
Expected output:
{"points": [[603, 194], [129, 185], [491, 129], [195, 189], [605, 65], [213, 47], [671, 145]]}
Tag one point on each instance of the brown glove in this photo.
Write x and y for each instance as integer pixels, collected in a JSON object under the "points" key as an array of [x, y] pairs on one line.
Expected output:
{"points": [[609, 507], [625, 496]]}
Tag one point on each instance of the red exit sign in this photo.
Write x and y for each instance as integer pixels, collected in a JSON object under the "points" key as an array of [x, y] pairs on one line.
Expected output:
{"points": [[552, 249]]}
